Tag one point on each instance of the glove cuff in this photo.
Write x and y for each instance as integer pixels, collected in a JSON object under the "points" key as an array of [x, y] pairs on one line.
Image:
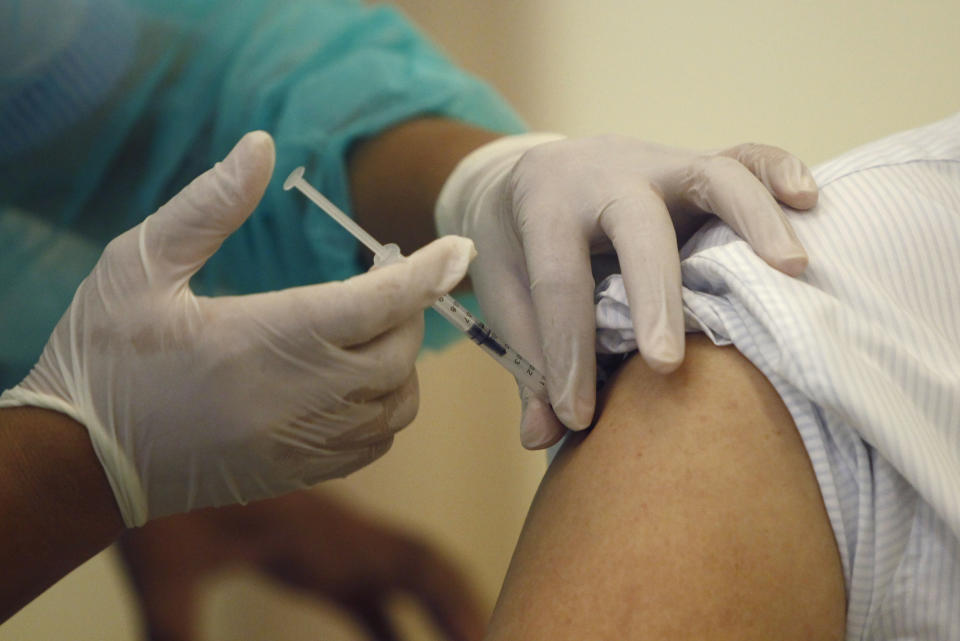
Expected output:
{"points": [[477, 172], [124, 481]]}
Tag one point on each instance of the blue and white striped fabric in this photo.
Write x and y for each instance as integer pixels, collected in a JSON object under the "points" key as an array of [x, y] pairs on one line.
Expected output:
{"points": [[864, 349]]}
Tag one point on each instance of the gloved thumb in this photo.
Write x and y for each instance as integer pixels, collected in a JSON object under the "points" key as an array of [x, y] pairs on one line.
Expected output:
{"points": [[180, 236], [357, 310]]}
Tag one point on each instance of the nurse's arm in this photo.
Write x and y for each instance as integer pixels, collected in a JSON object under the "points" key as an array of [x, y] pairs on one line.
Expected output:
{"points": [[56, 506], [396, 176]]}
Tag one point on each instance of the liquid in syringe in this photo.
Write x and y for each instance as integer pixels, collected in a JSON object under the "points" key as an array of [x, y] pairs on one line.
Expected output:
{"points": [[448, 307]]}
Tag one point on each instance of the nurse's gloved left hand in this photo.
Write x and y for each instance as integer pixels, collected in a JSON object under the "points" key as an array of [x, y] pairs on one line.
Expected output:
{"points": [[539, 207], [192, 401]]}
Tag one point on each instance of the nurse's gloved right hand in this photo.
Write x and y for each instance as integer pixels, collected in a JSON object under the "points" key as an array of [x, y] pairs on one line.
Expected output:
{"points": [[193, 401]]}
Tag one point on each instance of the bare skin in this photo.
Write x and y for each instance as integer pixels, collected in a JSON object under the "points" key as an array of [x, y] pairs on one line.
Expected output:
{"points": [[56, 504], [690, 511], [396, 176]]}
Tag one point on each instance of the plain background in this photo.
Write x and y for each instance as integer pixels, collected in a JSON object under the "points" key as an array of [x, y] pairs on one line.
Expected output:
{"points": [[816, 77]]}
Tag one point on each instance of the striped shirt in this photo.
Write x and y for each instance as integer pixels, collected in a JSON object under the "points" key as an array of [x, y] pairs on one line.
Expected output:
{"points": [[864, 349]]}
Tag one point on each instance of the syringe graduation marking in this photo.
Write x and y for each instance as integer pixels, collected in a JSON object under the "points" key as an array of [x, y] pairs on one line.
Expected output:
{"points": [[482, 336], [446, 305]]}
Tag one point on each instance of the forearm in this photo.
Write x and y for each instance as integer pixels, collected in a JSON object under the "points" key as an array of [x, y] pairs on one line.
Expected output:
{"points": [[57, 506], [395, 177]]}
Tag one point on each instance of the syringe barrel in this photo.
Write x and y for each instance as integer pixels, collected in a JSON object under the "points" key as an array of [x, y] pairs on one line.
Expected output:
{"points": [[461, 318], [458, 315]]}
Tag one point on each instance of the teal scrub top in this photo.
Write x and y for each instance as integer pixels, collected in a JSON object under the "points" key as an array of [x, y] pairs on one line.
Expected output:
{"points": [[109, 107]]}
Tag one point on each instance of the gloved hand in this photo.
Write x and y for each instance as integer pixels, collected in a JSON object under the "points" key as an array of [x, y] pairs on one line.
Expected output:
{"points": [[538, 206], [193, 401]]}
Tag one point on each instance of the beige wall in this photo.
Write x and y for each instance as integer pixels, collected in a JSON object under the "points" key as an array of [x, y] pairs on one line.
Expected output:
{"points": [[814, 76]]}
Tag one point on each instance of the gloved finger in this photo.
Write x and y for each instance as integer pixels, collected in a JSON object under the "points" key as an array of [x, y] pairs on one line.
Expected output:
{"points": [[180, 236], [361, 308], [561, 286], [306, 463], [642, 234], [372, 303], [726, 188], [351, 460], [506, 291], [782, 173], [539, 426], [392, 412], [345, 385], [383, 364], [372, 407]]}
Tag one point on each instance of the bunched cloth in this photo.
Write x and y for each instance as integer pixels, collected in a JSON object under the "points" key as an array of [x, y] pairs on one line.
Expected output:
{"points": [[864, 350]]}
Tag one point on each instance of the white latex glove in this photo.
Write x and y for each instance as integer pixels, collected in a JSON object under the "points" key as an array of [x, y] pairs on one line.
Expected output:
{"points": [[538, 206], [193, 401]]}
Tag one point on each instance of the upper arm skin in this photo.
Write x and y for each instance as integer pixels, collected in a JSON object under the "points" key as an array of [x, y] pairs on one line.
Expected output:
{"points": [[690, 511]]}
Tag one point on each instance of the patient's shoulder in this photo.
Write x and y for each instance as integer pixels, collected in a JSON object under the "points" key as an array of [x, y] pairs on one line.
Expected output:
{"points": [[715, 394], [689, 511]]}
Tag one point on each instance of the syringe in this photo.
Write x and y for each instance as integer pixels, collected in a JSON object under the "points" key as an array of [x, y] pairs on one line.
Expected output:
{"points": [[446, 305]]}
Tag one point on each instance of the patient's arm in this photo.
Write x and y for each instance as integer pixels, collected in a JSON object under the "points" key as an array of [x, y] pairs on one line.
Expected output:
{"points": [[690, 511]]}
